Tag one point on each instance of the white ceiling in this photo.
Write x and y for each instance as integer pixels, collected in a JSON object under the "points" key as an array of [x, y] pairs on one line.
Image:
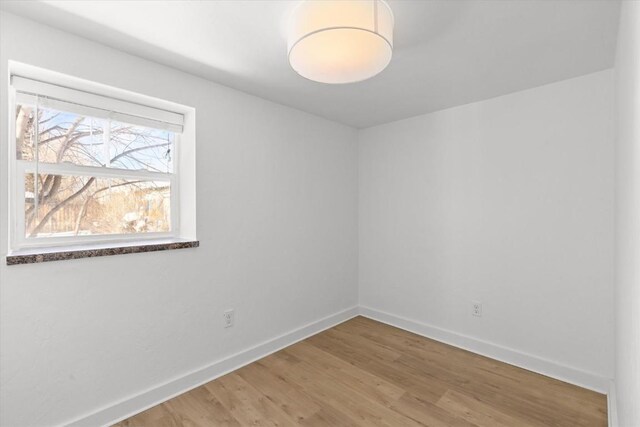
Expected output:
{"points": [[447, 52]]}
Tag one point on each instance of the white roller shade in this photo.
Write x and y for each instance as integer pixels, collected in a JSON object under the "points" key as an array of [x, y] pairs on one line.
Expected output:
{"points": [[94, 105]]}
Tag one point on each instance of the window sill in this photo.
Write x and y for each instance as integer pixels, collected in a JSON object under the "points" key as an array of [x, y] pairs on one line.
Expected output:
{"points": [[38, 255]]}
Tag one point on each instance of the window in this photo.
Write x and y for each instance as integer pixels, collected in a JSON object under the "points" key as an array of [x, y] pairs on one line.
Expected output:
{"points": [[90, 168]]}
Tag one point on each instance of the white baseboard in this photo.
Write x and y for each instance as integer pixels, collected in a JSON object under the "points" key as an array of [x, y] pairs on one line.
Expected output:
{"points": [[147, 399], [128, 407], [513, 357], [612, 406]]}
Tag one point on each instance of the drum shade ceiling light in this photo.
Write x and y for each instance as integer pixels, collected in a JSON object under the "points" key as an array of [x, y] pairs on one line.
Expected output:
{"points": [[340, 41]]}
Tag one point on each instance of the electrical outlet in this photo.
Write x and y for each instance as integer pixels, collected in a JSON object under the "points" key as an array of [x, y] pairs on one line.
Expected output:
{"points": [[477, 309], [228, 317]]}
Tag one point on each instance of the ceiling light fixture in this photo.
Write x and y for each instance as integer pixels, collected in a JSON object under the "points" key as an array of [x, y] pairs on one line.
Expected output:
{"points": [[340, 41]]}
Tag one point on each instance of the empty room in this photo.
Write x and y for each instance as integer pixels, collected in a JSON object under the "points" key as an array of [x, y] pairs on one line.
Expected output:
{"points": [[320, 213]]}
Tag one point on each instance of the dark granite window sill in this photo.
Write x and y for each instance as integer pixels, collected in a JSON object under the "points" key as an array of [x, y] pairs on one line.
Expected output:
{"points": [[60, 254]]}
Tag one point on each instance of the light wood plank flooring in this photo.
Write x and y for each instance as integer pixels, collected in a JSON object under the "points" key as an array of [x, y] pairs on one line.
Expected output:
{"points": [[365, 373]]}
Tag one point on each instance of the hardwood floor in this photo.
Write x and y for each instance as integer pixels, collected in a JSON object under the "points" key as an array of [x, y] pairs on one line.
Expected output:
{"points": [[365, 373]]}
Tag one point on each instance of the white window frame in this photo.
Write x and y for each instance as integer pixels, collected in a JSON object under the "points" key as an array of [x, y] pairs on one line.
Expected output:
{"points": [[18, 168]]}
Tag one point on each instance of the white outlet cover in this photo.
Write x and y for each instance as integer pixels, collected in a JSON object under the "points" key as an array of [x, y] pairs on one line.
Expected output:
{"points": [[228, 317], [476, 309]]}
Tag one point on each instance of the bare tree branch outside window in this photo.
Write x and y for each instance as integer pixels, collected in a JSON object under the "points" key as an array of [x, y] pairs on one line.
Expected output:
{"points": [[82, 205]]}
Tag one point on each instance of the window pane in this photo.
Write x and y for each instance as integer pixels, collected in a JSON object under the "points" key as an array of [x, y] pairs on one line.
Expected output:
{"points": [[67, 137], [62, 137], [72, 138], [137, 147], [83, 205]]}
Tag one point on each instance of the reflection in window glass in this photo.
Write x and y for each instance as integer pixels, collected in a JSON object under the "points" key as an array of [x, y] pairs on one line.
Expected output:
{"points": [[25, 131]]}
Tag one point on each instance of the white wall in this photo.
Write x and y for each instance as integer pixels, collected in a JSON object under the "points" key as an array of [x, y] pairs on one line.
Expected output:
{"points": [[627, 299], [508, 202], [277, 222]]}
